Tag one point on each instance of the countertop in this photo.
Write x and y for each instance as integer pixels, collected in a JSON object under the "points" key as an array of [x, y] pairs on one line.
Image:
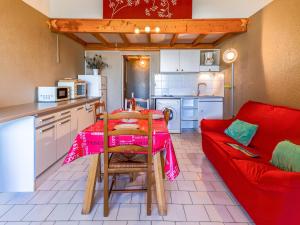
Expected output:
{"points": [[185, 96], [37, 109]]}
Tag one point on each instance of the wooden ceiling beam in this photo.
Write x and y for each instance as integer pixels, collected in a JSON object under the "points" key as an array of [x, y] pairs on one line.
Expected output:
{"points": [[199, 39], [222, 39], [100, 38], [76, 39], [124, 38], [169, 26], [144, 47], [173, 40]]}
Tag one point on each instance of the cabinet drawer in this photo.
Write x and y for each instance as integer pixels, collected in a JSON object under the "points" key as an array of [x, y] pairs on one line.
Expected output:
{"points": [[45, 148], [63, 137], [64, 114], [44, 120]]}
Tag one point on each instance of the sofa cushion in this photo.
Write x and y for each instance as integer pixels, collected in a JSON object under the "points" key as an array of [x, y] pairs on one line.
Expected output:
{"points": [[286, 156], [251, 169], [241, 131]]}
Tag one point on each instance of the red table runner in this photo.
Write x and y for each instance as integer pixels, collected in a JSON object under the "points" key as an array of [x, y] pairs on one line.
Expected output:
{"points": [[90, 141]]}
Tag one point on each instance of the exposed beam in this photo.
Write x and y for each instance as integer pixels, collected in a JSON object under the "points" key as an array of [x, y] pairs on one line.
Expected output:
{"points": [[149, 38], [141, 47], [199, 39], [124, 38], [222, 39], [100, 38], [75, 38], [169, 26], [173, 40]]}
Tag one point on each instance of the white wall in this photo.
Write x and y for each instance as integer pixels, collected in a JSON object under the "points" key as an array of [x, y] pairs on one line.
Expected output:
{"points": [[227, 8], [201, 8], [114, 73]]}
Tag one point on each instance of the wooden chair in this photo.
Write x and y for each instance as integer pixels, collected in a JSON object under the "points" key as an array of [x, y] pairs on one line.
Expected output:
{"points": [[100, 108], [112, 163], [138, 102], [99, 112]]}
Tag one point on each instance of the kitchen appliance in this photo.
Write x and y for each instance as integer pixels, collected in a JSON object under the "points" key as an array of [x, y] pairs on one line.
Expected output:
{"points": [[174, 105], [77, 87], [53, 94], [96, 86]]}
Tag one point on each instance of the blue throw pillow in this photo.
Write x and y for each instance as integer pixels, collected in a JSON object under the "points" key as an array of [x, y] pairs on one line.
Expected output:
{"points": [[241, 131]]}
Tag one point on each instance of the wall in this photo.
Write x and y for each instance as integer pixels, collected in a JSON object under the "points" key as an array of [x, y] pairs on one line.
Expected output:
{"points": [[28, 54], [268, 67], [114, 73]]}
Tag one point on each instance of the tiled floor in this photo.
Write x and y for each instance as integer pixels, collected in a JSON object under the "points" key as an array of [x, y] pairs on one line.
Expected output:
{"points": [[197, 197]]}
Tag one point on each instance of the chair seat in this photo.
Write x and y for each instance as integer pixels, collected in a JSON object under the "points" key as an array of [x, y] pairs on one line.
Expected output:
{"points": [[120, 160]]}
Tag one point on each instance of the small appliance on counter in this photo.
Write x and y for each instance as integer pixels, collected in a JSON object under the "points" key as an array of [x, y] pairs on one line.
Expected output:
{"points": [[53, 94], [77, 87]]}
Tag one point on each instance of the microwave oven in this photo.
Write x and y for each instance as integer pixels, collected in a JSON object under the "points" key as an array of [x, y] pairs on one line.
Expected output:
{"points": [[53, 94], [78, 88]]}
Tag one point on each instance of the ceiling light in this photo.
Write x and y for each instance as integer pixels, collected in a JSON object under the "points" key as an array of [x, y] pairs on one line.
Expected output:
{"points": [[157, 29], [230, 55], [147, 29], [137, 30]]}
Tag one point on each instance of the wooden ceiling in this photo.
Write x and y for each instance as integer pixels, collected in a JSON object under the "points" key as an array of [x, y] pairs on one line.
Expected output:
{"points": [[119, 34]]}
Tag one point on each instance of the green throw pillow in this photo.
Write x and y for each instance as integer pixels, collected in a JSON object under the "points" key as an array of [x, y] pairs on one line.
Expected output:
{"points": [[241, 131], [286, 156]]}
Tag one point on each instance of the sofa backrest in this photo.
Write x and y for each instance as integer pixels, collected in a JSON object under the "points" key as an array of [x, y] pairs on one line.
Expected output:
{"points": [[276, 123]]}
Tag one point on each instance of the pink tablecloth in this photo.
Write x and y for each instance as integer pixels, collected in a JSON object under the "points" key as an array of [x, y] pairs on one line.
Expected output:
{"points": [[90, 141]]}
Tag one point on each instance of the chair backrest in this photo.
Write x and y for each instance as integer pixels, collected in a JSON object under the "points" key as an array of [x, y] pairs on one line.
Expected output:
{"points": [[167, 114], [138, 102], [127, 148], [100, 108]]}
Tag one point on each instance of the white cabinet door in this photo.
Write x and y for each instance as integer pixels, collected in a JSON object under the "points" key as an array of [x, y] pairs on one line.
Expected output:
{"points": [[169, 61], [189, 60], [45, 148], [210, 110], [63, 137]]}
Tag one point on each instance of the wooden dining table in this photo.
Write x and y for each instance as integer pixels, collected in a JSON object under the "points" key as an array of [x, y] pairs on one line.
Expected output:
{"points": [[90, 141]]}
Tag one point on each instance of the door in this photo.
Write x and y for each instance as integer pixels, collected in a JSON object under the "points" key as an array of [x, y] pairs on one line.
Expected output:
{"points": [[189, 60], [63, 137], [169, 61], [45, 148]]}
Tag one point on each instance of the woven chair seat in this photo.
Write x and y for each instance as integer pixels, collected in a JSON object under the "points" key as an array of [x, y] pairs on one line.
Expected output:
{"points": [[120, 160]]}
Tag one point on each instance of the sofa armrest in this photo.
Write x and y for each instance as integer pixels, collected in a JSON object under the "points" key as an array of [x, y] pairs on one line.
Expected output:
{"points": [[215, 125], [280, 179]]}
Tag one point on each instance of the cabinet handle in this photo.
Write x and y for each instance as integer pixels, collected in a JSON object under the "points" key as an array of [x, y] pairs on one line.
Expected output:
{"points": [[90, 110], [182, 70], [177, 70], [79, 108], [65, 113], [46, 119], [62, 123], [50, 128]]}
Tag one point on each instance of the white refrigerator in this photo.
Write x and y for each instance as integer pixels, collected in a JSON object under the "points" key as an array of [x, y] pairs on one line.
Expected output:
{"points": [[96, 86]]}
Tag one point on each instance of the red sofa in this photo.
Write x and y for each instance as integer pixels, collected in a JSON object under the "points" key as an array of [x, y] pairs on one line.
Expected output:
{"points": [[271, 196]]}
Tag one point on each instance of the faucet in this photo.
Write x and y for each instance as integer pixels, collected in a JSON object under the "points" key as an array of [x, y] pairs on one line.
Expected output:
{"points": [[199, 85]]}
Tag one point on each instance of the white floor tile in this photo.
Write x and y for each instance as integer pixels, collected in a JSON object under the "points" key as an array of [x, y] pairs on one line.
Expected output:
{"points": [[63, 185], [62, 212], [21, 198], [237, 214], [190, 176], [64, 175], [204, 186], [163, 223], [139, 197], [187, 223], [220, 198], [42, 223], [186, 185], [63, 197], [121, 198], [77, 215], [196, 213], [47, 185], [18, 223], [115, 223], [129, 212], [180, 197], [4, 209], [175, 213], [154, 213], [67, 223], [211, 223], [90, 223], [113, 212], [218, 213], [42, 197], [78, 197], [200, 198], [39, 213], [5, 197], [171, 185], [139, 223], [16, 213]]}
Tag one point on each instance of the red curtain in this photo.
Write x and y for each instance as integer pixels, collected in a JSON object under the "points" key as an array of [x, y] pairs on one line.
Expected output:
{"points": [[147, 9]]}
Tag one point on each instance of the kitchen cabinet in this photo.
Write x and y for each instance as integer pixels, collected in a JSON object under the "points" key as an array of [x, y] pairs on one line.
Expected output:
{"points": [[45, 148], [179, 61], [63, 137]]}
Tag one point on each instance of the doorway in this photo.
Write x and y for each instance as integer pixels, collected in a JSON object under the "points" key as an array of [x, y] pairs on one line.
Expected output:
{"points": [[136, 77]]}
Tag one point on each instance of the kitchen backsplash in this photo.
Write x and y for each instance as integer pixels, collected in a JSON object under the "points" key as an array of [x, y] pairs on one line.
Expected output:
{"points": [[187, 84]]}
